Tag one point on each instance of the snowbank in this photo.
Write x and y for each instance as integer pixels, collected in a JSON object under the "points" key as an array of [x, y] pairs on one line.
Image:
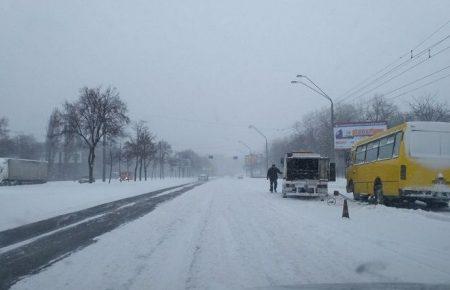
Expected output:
{"points": [[23, 204]]}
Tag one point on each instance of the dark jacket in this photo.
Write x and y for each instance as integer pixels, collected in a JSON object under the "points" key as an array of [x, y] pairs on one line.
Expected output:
{"points": [[272, 173]]}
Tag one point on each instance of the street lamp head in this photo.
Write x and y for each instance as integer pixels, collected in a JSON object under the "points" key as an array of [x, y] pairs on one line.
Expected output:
{"points": [[294, 82], [250, 126], [300, 76]]}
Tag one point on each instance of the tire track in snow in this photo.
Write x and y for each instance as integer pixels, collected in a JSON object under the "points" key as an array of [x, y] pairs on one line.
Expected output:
{"points": [[190, 281], [142, 267]]}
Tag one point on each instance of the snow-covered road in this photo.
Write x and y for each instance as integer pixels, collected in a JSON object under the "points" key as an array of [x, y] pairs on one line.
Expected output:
{"points": [[231, 233]]}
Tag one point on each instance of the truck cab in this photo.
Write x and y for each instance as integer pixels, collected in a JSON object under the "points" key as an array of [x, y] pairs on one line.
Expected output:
{"points": [[306, 174]]}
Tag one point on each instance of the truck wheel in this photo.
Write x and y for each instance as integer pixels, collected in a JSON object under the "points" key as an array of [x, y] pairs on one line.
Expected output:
{"points": [[378, 192], [284, 194]]}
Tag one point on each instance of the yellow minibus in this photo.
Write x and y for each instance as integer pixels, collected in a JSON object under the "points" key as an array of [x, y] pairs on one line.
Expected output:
{"points": [[408, 162]]}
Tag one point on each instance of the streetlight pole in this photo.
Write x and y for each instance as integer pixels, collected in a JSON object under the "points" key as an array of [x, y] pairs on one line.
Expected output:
{"points": [[320, 92], [267, 146]]}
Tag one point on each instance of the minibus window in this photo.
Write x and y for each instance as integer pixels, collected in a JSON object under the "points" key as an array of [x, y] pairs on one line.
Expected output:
{"points": [[398, 140], [372, 151], [386, 147], [361, 154]]}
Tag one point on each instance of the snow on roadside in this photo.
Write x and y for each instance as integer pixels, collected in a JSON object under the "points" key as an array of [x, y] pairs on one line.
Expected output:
{"points": [[24, 204], [233, 234], [339, 185]]}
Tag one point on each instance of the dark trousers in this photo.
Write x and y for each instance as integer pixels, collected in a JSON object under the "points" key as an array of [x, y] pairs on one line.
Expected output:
{"points": [[273, 185]]}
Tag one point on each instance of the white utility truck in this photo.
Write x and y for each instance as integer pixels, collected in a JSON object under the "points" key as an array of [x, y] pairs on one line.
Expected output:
{"points": [[306, 174], [21, 171]]}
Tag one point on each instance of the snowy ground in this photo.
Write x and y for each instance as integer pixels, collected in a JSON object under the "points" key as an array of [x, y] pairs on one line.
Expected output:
{"points": [[24, 204], [231, 233]]}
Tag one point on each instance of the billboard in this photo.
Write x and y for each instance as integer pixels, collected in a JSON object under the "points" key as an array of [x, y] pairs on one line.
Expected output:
{"points": [[345, 134]]}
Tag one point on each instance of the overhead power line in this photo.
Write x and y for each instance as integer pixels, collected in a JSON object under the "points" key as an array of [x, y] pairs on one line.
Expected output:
{"points": [[413, 58], [351, 90], [431, 35], [416, 80], [417, 88], [399, 74], [347, 93]]}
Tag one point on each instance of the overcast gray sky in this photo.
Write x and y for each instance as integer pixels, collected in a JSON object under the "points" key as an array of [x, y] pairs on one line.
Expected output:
{"points": [[201, 71]]}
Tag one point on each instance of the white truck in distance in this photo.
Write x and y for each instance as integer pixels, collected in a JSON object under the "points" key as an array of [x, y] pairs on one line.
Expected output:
{"points": [[21, 171], [306, 174]]}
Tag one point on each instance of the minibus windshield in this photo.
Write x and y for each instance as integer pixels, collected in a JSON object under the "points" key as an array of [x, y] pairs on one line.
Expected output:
{"points": [[431, 144]]}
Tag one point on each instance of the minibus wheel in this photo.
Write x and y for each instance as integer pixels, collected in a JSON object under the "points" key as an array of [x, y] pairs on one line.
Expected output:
{"points": [[378, 192], [351, 188]]}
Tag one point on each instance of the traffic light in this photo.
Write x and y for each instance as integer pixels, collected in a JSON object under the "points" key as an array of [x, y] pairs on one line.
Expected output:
{"points": [[235, 157], [211, 157]]}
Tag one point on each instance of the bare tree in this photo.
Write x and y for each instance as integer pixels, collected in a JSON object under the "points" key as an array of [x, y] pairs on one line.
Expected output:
{"points": [[141, 147], [130, 153], [380, 109], [427, 108], [26, 147], [6, 143], [114, 156], [53, 139], [148, 149], [127, 157], [3, 128], [190, 159], [344, 112], [163, 151], [20, 146], [95, 114], [131, 147], [173, 163]]}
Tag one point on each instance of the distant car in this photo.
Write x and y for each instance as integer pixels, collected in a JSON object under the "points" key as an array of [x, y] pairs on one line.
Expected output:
{"points": [[240, 177], [84, 179], [125, 176], [203, 177]]}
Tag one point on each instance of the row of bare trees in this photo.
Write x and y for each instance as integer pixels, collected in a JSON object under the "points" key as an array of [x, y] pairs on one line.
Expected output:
{"points": [[96, 115], [312, 132], [99, 118], [21, 145], [140, 147]]}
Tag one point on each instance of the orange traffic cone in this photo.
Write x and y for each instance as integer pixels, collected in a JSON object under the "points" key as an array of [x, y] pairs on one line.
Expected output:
{"points": [[345, 210]]}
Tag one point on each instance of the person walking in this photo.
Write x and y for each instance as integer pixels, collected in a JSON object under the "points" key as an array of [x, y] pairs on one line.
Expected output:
{"points": [[272, 175]]}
